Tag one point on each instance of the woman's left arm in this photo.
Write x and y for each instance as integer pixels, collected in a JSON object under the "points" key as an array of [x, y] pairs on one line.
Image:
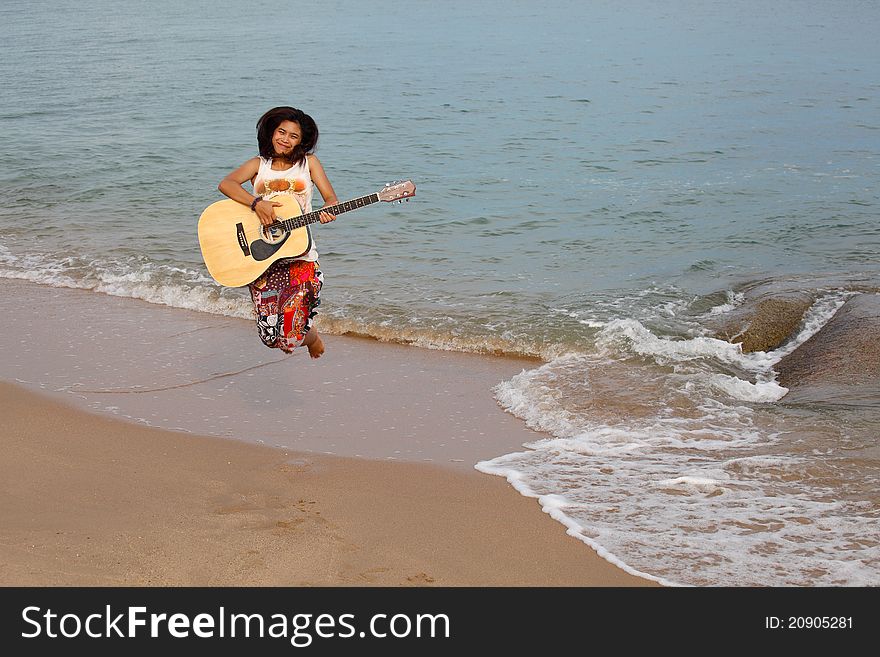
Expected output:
{"points": [[323, 184]]}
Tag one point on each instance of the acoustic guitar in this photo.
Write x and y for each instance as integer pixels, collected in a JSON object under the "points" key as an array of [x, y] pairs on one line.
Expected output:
{"points": [[238, 249]]}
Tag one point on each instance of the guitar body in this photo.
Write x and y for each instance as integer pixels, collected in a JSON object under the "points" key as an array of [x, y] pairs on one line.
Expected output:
{"points": [[237, 249]]}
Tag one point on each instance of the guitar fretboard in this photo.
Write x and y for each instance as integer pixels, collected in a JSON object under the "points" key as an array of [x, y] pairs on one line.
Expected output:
{"points": [[311, 217]]}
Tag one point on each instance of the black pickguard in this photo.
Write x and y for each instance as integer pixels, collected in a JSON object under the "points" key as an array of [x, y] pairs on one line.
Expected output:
{"points": [[261, 250]]}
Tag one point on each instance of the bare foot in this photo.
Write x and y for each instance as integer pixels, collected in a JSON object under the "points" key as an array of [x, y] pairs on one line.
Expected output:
{"points": [[316, 347]]}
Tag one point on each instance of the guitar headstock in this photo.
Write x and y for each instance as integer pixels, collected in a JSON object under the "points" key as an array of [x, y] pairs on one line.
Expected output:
{"points": [[397, 190]]}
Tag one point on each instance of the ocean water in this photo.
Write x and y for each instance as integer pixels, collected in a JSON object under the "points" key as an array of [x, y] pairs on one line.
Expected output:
{"points": [[597, 184]]}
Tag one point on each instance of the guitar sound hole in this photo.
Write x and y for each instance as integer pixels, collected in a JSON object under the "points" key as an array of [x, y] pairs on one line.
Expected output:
{"points": [[272, 234]]}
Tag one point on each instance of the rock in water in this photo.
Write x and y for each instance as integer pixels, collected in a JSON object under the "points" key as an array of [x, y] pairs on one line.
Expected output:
{"points": [[843, 353], [768, 325]]}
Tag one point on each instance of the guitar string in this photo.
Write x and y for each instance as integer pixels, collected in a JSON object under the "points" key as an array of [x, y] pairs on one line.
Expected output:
{"points": [[314, 215]]}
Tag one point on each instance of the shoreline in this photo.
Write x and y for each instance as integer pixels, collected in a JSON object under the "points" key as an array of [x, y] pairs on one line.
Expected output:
{"points": [[90, 500]]}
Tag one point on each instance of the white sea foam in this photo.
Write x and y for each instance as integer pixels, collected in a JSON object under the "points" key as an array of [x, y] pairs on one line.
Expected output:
{"points": [[54, 279], [141, 285], [734, 301], [817, 316], [632, 336], [691, 484], [761, 391]]}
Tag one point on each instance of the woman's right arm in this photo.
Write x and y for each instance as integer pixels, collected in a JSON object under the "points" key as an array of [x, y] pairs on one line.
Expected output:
{"points": [[231, 186]]}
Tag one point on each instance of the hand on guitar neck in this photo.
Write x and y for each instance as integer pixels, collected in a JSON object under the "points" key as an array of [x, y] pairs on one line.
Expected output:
{"points": [[265, 211]]}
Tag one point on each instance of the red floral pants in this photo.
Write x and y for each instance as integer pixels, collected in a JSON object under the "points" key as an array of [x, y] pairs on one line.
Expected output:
{"points": [[286, 299]]}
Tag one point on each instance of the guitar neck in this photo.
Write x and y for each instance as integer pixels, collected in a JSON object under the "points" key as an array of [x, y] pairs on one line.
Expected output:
{"points": [[311, 217]]}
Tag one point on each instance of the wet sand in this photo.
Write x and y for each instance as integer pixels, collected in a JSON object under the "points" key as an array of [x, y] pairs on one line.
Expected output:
{"points": [[209, 374]]}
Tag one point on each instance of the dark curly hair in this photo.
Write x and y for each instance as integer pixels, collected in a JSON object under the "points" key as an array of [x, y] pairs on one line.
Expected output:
{"points": [[272, 119]]}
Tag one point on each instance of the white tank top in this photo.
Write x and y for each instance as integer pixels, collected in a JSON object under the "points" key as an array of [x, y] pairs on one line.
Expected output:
{"points": [[296, 181]]}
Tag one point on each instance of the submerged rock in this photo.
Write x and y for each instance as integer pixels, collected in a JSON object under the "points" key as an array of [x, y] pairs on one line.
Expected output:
{"points": [[766, 325], [845, 353]]}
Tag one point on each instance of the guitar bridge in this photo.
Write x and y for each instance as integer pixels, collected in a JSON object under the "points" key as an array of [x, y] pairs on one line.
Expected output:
{"points": [[242, 240]]}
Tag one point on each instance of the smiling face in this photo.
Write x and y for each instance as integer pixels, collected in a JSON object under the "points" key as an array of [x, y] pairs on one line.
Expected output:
{"points": [[287, 135]]}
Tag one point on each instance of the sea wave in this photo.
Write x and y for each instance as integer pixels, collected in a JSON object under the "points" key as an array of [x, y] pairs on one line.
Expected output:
{"points": [[672, 457], [191, 289]]}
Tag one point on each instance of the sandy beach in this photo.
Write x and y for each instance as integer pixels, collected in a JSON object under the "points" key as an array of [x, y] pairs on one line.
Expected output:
{"points": [[92, 499]]}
